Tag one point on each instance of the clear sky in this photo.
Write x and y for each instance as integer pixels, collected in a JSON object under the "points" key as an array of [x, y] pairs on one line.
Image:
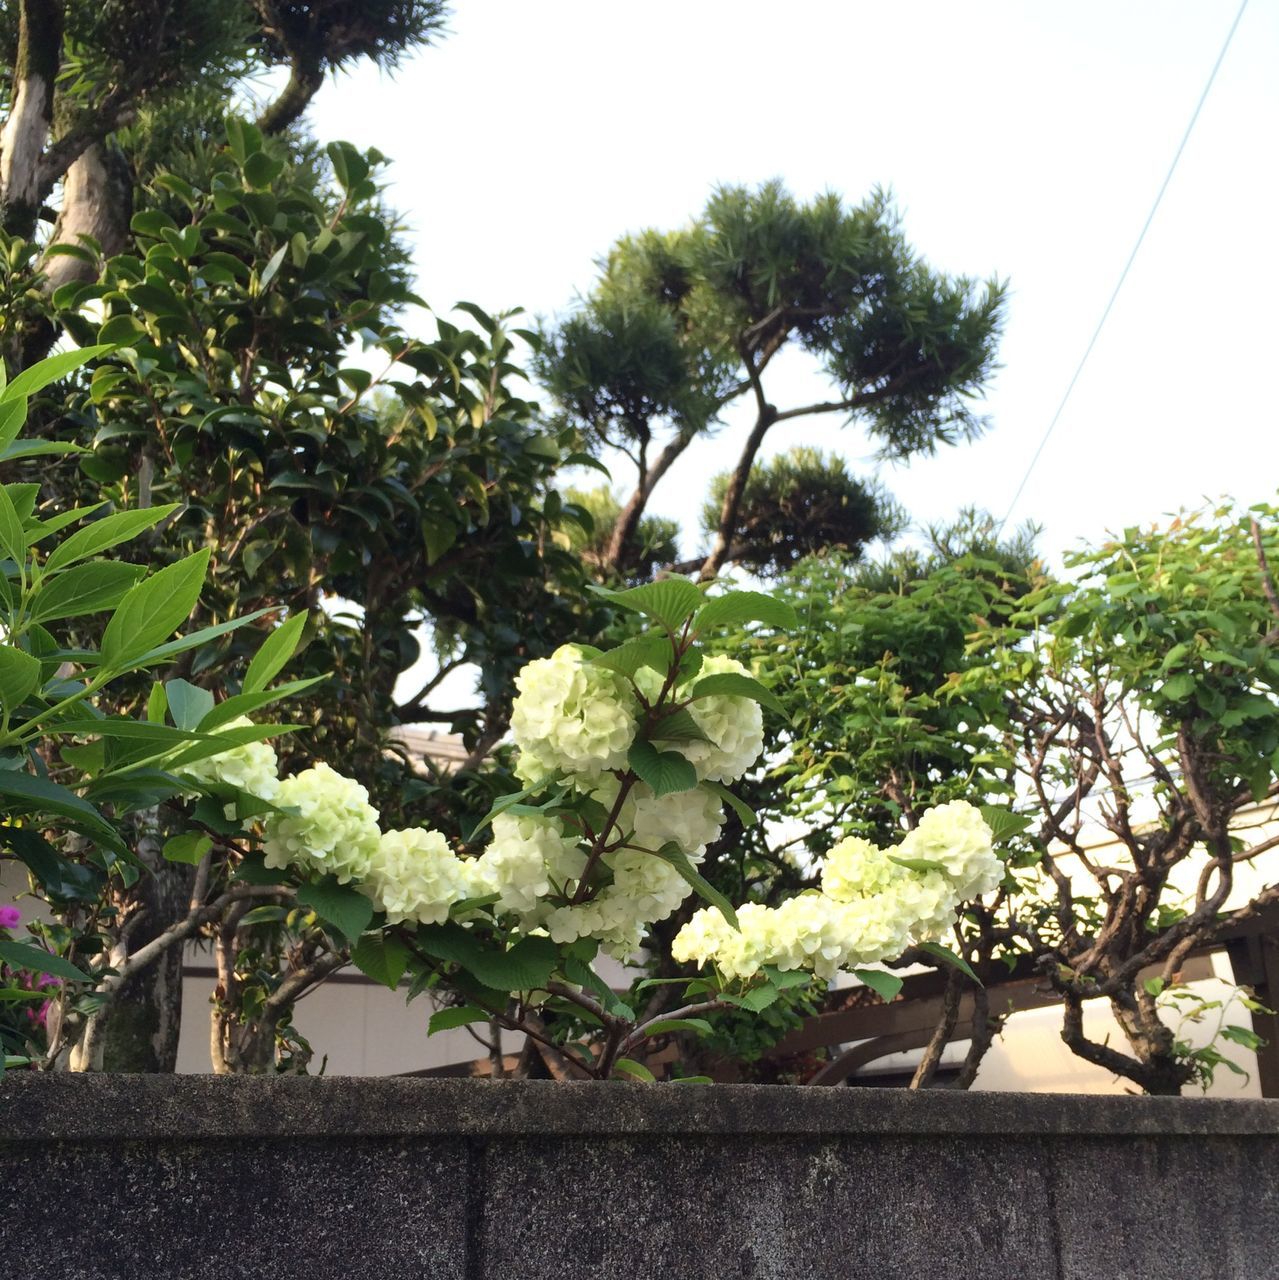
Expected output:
{"points": [[1022, 138]]}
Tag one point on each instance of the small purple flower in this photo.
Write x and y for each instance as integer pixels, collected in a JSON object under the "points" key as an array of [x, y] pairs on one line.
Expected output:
{"points": [[10, 917]]}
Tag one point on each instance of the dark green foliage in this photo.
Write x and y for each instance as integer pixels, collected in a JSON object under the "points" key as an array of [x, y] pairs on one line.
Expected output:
{"points": [[799, 503]]}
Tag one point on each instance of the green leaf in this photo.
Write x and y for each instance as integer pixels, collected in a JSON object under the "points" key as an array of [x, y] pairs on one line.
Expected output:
{"points": [[13, 538], [60, 877], [341, 905], [382, 956], [197, 638], [1004, 823], [678, 726], [670, 600], [245, 703], [636, 1070], [189, 848], [652, 649], [274, 652], [33, 959], [39, 375], [757, 999], [1178, 688], [884, 985], [746, 815], [738, 607], [19, 676], [676, 856], [698, 1026], [447, 1019], [102, 534], [735, 684], [947, 956], [43, 796], [13, 414], [692, 1080], [665, 771], [524, 967], [917, 864], [153, 610], [263, 915], [272, 266], [501, 806], [85, 589], [188, 703]]}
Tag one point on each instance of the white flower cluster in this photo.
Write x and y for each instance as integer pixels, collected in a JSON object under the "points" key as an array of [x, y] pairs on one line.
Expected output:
{"points": [[571, 717], [869, 908], [251, 766], [334, 830]]}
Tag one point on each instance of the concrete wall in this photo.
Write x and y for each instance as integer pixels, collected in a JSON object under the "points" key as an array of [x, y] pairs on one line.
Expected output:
{"points": [[153, 1178]]}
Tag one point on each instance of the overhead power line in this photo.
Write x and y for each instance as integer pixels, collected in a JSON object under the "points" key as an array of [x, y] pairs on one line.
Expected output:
{"points": [[1123, 275]]}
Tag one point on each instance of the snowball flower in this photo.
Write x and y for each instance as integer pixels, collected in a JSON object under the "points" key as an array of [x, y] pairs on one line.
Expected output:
{"points": [[251, 766], [690, 819], [733, 724], [956, 836], [334, 829], [855, 868], [414, 875], [571, 717], [527, 856]]}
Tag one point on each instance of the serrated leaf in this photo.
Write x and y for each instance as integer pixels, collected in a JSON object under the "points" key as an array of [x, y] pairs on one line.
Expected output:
{"points": [[947, 956], [341, 905], [676, 856], [652, 649], [885, 985], [274, 653], [1004, 823], [758, 998], [524, 967], [382, 956], [671, 601], [678, 726], [666, 772], [447, 1019], [736, 685], [738, 607]]}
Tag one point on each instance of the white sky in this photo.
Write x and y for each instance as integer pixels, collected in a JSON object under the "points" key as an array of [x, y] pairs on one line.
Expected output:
{"points": [[1026, 139]]}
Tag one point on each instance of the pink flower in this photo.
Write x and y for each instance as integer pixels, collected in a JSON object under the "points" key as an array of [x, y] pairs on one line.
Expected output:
{"points": [[10, 917]]}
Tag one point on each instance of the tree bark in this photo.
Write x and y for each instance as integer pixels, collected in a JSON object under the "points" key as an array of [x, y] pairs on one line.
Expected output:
{"points": [[140, 1026], [305, 80], [630, 515], [733, 494], [27, 129], [97, 202]]}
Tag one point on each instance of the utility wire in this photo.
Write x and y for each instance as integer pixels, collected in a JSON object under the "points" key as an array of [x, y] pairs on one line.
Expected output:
{"points": [[1123, 275]]}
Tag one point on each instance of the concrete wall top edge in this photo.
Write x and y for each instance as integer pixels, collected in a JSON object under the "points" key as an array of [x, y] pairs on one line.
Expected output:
{"points": [[38, 1108]]}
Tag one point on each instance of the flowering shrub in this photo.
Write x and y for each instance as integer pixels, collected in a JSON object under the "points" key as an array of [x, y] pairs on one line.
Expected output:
{"points": [[627, 755]]}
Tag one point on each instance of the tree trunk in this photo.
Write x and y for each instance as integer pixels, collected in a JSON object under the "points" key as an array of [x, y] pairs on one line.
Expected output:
{"points": [[97, 202], [26, 131], [140, 1027], [305, 81], [733, 494], [630, 515]]}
